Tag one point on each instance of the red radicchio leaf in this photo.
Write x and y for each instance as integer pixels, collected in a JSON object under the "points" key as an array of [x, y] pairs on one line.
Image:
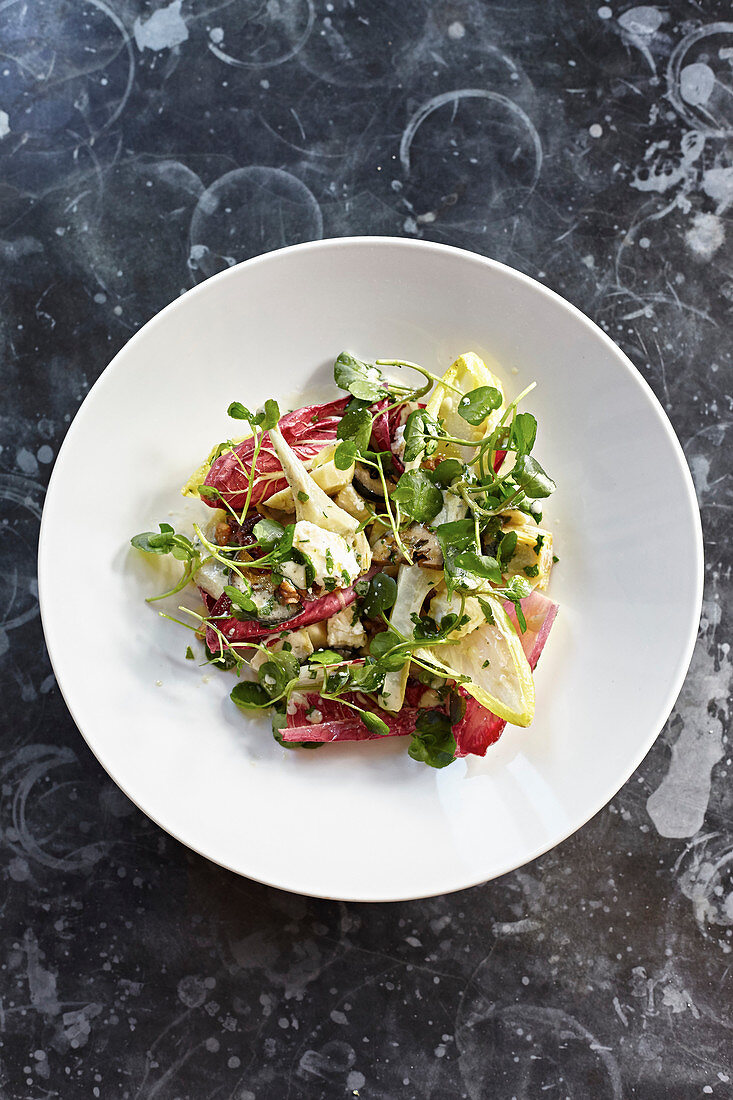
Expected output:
{"points": [[341, 723], [238, 632], [307, 430], [479, 728]]}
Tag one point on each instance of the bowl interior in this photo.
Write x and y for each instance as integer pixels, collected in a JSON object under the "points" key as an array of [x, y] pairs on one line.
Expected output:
{"points": [[365, 821]]}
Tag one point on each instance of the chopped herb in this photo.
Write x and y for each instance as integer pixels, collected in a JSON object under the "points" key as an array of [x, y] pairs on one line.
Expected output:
{"points": [[531, 570], [302, 496], [189, 654]]}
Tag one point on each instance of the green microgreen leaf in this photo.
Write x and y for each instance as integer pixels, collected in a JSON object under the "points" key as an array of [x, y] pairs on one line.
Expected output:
{"points": [[523, 433], [249, 696], [476, 405], [238, 411], [374, 723], [531, 478], [506, 549], [356, 426], [325, 657], [447, 471], [454, 539], [433, 742], [166, 541], [241, 600], [417, 496], [268, 533], [419, 427], [276, 673], [270, 415], [480, 565], [381, 648], [380, 596], [345, 454], [362, 380]]}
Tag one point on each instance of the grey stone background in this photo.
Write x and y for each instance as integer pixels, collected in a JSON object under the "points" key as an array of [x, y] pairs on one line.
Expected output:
{"points": [[144, 147]]}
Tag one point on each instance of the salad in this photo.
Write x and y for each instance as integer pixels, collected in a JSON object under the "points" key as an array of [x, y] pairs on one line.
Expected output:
{"points": [[375, 566]]}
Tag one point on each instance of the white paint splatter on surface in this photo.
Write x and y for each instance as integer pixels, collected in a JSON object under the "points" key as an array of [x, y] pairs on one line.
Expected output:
{"points": [[165, 29], [696, 83], [705, 235], [644, 20], [679, 804]]}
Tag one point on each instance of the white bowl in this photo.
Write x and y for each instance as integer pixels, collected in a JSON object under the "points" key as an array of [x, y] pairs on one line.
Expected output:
{"points": [[364, 821]]}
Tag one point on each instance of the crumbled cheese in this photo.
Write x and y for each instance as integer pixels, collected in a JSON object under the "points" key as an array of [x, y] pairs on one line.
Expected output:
{"points": [[296, 700], [298, 640], [212, 577], [342, 632], [294, 573], [398, 443], [314, 716], [330, 554]]}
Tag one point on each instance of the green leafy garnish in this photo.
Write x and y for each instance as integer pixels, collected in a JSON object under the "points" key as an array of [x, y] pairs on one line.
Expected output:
{"points": [[380, 595], [345, 454], [374, 723], [325, 657], [356, 426], [506, 549], [433, 742], [454, 539], [266, 418], [480, 565], [279, 671], [381, 648], [417, 496], [189, 654], [360, 379], [241, 599], [531, 478], [447, 471], [166, 541], [268, 533], [248, 695], [420, 436], [476, 405], [523, 433]]}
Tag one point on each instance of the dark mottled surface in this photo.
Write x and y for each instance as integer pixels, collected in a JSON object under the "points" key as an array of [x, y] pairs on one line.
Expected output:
{"points": [[144, 147]]}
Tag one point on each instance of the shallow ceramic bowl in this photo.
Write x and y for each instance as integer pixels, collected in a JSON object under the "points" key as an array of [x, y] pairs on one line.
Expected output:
{"points": [[364, 821]]}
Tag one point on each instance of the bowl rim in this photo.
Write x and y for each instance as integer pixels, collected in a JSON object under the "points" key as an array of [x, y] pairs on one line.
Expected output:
{"points": [[410, 244]]}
